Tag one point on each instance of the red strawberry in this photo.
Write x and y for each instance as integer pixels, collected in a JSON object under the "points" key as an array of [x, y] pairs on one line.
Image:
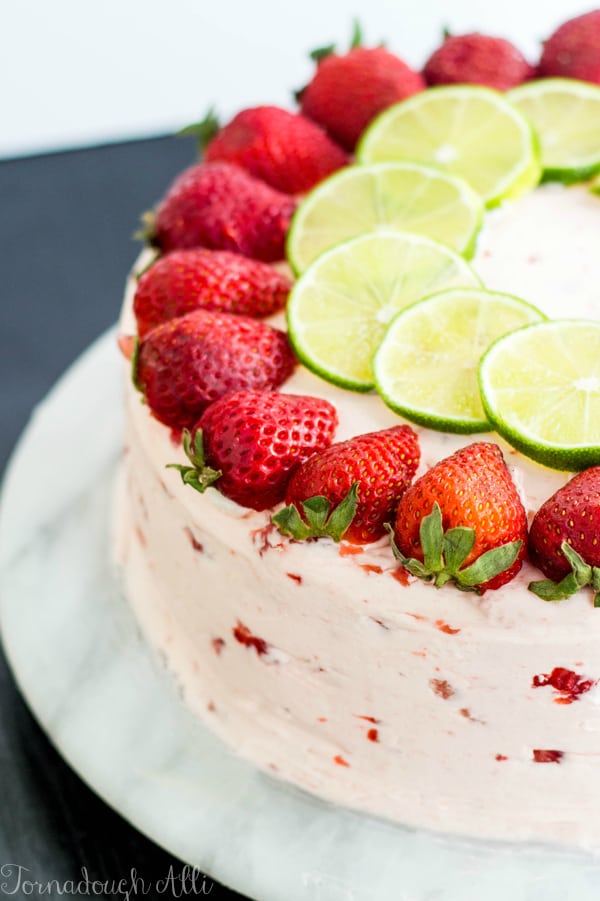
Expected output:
{"points": [[366, 475], [477, 59], [186, 364], [220, 205], [564, 539], [573, 51], [186, 280], [285, 150], [253, 441], [348, 91], [463, 521]]}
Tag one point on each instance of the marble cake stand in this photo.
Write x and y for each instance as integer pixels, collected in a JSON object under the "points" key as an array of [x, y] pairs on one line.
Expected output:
{"points": [[114, 713]]}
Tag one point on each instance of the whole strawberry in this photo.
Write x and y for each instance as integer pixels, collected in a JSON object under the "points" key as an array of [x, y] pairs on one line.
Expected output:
{"points": [[286, 150], [186, 364], [186, 280], [573, 50], [220, 205], [477, 59], [564, 538], [251, 442], [356, 484], [463, 522], [348, 91]]}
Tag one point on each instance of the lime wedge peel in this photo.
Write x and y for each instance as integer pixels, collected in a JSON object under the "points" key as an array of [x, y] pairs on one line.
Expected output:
{"points": [[339, 309], [472, 132], [540, 388], [405, 197], [565, 113], [427, 364]]}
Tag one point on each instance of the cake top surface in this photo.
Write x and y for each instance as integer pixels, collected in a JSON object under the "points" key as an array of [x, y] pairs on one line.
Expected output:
{"points": [[424, 180], [541, 247]]}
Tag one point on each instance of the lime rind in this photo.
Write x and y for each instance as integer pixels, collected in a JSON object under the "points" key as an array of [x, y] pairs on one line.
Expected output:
{"points": [[401, 196], [554, 107], [426, 368], [516, 413], [338, 310], [523, 175]]}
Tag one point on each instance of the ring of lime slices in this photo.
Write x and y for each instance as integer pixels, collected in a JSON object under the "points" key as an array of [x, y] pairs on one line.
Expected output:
{"points": [[385, 299]]}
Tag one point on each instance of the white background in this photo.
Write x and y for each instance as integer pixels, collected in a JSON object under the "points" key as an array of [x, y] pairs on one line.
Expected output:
{"points": [[76, 72]]}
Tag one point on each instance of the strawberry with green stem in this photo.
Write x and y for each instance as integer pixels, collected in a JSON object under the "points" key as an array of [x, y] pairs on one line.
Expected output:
{"points": [[564, 539], [249, 443], [350, 490], [463, 522], [348, 90]]}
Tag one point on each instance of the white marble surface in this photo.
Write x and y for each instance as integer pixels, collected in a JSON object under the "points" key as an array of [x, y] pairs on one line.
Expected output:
{"points": [[115, 715]]}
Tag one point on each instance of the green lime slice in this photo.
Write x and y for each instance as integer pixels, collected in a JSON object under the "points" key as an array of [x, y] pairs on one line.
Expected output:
{"points": [[427, 364], [406, 197], [339, 309], [472, 132], [566, 116], [540, 388]]}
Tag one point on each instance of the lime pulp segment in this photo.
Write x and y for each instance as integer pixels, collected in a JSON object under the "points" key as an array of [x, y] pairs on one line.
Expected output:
{"points": [[472, 132], [565, 113], [339, 308], [406, 197], [427, 364], [540, 388]]}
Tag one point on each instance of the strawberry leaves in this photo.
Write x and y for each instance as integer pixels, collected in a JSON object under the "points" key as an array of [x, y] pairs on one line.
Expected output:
{"points": [[563, 539], [317, 519], [203, 131], [198, 475], [356, 40], [580, 576], [444, 553]]}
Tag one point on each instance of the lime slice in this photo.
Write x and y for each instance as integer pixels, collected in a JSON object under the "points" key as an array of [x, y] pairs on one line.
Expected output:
{"points": [[472, 132], [566, 116], [404, 197], [540, 388], [339, 308], [427, 364]]}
